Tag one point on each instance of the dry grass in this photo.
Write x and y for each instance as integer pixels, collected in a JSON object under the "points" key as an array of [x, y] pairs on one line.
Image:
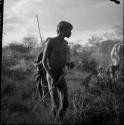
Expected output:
{"points": [[96, 104]]}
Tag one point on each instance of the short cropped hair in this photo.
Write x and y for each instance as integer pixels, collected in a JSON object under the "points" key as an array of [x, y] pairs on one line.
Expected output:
{"points": [[63, 26]]}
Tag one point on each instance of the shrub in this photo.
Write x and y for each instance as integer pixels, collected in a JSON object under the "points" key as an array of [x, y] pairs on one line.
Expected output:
{"points": [[89, 65], [18, 48], [8, 89]]}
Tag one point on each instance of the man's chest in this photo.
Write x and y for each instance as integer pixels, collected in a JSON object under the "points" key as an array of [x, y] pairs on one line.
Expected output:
{"points": [[60, 49]]}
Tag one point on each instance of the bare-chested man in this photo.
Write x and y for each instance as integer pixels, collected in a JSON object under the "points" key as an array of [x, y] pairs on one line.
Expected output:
{"points": [[55, 58]]}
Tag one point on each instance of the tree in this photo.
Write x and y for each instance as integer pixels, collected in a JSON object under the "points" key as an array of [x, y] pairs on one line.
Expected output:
{"points": [[109, 36], [30, 41], [76, 49], [95, 40]]}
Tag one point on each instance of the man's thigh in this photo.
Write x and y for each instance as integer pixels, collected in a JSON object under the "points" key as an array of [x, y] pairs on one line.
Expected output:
{"points": [[53, 91], [63, 89]]}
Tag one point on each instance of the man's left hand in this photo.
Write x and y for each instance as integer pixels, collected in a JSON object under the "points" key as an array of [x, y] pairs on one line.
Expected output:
{"points": [[70, 65]]}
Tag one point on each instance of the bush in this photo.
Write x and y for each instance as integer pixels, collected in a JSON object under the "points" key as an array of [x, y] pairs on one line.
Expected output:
{"points": [[8, 61], [18, 48], [89, 65], [8, 89]]}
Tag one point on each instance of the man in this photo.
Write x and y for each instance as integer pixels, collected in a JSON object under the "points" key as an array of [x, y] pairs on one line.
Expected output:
{"points": [[55, 57]]}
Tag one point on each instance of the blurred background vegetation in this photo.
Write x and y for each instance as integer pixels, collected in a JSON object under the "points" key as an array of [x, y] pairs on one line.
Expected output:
{"points": [[86, 105]]}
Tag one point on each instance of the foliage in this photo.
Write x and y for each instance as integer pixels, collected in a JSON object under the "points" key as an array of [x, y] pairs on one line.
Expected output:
{"points": [[95, 40], [99, 103], [83, 58], [29, 41], [18, 48]]}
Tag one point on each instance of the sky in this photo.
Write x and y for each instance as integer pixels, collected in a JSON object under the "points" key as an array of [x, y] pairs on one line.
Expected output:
{"points": [[87, 17]]}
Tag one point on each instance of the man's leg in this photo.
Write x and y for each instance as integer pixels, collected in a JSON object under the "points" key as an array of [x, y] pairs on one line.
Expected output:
{"points": [[54, 96], [63, 91]]}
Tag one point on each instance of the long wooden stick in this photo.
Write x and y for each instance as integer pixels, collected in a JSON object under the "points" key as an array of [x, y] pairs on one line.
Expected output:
{"points": [[39, 28]]}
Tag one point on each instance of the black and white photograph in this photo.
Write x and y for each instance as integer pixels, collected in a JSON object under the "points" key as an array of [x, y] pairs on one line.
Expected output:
{"points": [[62, 62]]}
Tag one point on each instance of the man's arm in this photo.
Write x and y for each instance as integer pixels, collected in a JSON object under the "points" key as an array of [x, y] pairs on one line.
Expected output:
{"points": [[46, 56]]}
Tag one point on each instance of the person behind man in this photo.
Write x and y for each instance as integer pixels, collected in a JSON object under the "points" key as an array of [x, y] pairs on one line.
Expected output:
{"points": [[56, 56]]}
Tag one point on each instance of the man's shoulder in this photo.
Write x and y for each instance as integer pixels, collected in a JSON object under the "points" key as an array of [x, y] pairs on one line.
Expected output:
{"points": [[56, 40], [52, 40], [49, 41]]}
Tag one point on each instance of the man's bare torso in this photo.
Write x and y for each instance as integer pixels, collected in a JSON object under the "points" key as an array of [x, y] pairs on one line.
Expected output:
{"points": [[58, 54]]}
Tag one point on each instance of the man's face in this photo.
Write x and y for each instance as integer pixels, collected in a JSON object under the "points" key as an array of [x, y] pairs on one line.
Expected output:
{"points": [[67, 33]]}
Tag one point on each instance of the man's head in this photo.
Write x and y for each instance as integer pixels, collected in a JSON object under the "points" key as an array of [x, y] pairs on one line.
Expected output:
{"points": [[64, 28]]}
